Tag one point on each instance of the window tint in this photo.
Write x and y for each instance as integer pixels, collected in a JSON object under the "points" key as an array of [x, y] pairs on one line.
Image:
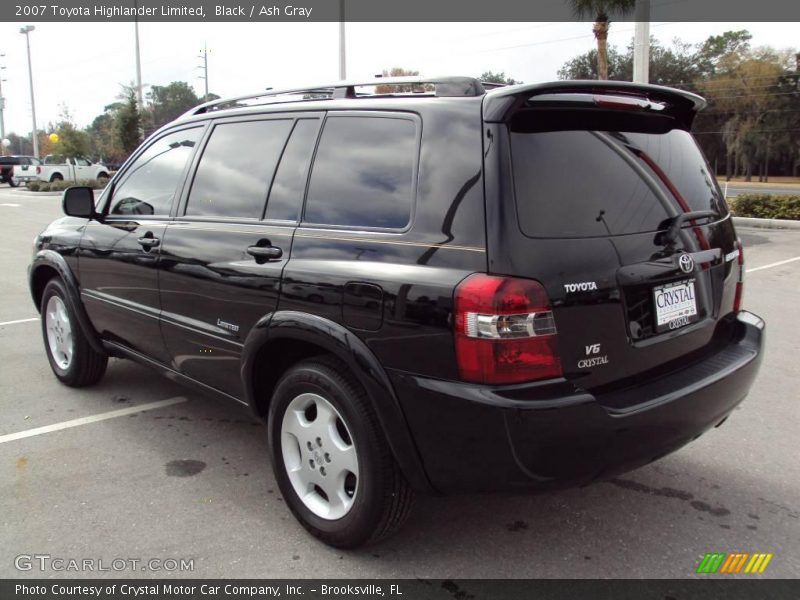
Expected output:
{"points": [[585, 183], [236, 169], [363, 173], [289, 185], [150, 184]]}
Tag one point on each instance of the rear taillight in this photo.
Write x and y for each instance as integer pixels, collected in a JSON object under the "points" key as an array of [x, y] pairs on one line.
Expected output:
{"points": [[504, 330], [38, 170], [737, 300]]}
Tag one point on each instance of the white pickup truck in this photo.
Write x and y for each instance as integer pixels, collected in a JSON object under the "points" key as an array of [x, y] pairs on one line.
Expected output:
{"points": [[58, 168]]}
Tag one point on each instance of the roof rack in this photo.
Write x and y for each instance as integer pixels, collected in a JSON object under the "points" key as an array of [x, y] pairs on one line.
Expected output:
{"points": [[442, 87], [491, 85]]}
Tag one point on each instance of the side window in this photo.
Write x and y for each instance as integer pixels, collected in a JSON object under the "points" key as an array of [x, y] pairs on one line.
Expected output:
{"points": [[236, 169], [149, 185], [81, 162], [289, 185], [363, 173]]}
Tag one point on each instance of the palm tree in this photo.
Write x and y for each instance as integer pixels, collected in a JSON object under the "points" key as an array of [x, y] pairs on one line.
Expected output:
{"points": [[600, 11]]}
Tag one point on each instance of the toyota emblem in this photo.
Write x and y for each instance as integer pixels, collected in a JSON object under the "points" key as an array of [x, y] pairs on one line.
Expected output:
{"points": [[686, 263]]}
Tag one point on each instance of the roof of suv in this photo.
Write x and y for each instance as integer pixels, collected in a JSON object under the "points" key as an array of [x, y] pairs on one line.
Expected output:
{"points": [[498, 100]]}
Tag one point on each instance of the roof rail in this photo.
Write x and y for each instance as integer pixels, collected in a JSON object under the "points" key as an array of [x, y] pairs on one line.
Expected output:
{"points": [[491, 85], [442, 87]]}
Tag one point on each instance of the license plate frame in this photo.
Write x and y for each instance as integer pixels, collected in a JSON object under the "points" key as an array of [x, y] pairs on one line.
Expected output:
{"points": [[682, 311]]}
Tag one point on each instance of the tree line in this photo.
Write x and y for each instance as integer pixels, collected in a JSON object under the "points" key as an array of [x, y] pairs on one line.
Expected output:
{"points": [[751, 126], [118, 130]]}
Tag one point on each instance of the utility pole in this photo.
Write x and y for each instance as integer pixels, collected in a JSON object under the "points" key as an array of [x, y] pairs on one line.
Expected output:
{"points": [[26, 31], [342, 61], [641, 42], [204, 57], [139, 98], [2, 103]]}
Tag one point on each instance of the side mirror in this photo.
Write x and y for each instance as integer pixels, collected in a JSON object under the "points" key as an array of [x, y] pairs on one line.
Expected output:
{"points": [[79, 202]]}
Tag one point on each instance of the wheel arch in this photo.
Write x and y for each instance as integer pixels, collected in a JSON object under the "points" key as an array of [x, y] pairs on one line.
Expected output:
{"points": [[48, 264], [284, 338]]}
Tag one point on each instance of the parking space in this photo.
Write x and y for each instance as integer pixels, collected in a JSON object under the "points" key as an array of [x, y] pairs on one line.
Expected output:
{"points": [[190, 478]]}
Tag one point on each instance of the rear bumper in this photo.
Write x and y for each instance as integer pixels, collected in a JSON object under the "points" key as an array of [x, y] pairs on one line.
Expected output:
{"points": [[553, 434]]}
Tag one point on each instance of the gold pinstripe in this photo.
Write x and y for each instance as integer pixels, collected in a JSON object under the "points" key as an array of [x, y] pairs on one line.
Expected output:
{"points": [[361, 240]]}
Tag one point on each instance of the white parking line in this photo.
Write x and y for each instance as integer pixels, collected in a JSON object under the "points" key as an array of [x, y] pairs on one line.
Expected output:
{"points": [[11, 204], [775, 264], [19, 321], [93, 419]]}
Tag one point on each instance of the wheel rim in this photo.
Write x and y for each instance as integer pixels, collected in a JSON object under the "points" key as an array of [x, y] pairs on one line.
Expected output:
{"points": [[319, 456], [59, 332]]}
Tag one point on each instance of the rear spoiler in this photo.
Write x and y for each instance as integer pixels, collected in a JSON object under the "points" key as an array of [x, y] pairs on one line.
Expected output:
{"points": [[500, 104]]}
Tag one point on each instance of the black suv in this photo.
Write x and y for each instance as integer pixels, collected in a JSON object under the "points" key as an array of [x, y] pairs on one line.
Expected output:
{"points": [[439, 290]]}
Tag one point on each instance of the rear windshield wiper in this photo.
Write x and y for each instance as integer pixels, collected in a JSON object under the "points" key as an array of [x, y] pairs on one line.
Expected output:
{"points": [[677, 222]]}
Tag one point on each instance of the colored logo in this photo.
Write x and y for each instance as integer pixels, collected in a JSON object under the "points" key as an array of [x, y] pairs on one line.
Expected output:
{"points": [[734, 563]]}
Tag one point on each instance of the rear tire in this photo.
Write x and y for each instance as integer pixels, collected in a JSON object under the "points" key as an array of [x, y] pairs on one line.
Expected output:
{"points": [[318, 405], [73, 360], [56, 177], [13, 183]]}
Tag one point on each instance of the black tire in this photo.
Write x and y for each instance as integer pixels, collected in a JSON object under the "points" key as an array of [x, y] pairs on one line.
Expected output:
{"points": [[103, 176], [87, 366], [383, 498], [12, 183], [56, 177]]}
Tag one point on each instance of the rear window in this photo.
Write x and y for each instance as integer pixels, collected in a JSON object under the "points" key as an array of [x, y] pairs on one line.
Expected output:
{"points": [[601, 183]]}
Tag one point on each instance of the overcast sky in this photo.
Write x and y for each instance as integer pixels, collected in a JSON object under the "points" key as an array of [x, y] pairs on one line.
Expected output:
{"points": [[82, 64]]}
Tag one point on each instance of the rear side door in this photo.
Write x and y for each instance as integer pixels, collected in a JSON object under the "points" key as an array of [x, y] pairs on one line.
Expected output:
{"points": [[224, 254], [120, 251]]}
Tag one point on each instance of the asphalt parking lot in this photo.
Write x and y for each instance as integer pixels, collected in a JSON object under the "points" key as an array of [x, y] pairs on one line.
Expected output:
{"points": [[190, 478]]}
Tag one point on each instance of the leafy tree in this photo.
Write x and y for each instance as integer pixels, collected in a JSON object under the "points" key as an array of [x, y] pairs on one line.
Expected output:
{"points": [[721, 52], [400, 89], [127, 122], [751, 100], [72, 141], [584, 66], [674, 65], [601, 11], [167, 103], [491, 77], [19, 144]]}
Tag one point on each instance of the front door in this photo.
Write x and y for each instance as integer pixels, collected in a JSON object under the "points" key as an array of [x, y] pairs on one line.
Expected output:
{"points": [[119, 252]]}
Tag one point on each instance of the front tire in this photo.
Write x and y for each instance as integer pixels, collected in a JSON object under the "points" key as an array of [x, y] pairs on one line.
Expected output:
{"points": [[72, 359], [331, 460]]}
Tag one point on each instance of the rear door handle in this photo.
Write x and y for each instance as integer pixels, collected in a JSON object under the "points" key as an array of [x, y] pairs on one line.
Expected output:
{"points": [[148, 242], [265, 252]]}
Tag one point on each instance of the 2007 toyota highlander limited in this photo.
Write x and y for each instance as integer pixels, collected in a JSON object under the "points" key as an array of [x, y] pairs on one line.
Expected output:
{"points": [[441, 289]]}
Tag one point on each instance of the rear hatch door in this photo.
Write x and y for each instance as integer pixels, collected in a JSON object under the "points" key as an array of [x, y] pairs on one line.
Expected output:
{"points": [[605, 198]]}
